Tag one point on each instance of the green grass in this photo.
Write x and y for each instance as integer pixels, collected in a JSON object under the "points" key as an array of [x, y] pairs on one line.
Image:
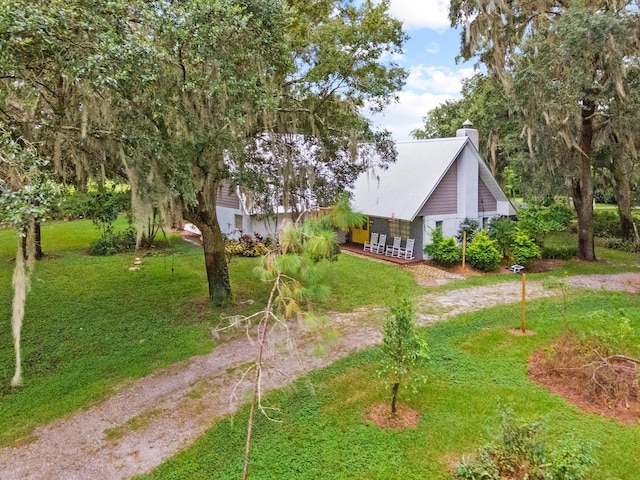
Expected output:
{"points": [[91, 323], [476, 366]]}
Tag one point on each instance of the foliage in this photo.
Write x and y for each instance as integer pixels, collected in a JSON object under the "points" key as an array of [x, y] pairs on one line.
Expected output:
{"points": [[624, 245], [97, 204], [524, 249], [290, 76], [112, 242], [537, 220], [248, 246], [404, 349], [561, 70], [483, 254], [442, 250], [519, 454], [606, 224], [502, 231], [469, 225], [558, 253]]}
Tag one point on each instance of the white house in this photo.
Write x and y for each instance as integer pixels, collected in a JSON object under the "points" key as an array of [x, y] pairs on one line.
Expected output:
{"points": [[434, 183]]}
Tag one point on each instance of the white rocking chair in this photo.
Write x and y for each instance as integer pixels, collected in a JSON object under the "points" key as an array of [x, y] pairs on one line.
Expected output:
{"points": [[381, 244], [372, 244], [393, 250], [407, 251]]}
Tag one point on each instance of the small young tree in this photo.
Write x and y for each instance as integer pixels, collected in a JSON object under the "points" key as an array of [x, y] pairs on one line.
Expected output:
{"points": [[405, 351], [469, 225]]}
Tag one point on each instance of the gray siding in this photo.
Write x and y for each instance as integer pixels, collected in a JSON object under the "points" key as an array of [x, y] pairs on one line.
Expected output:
{"points": [[417, 228], [227, 198], [486, 200], [444, 199]]}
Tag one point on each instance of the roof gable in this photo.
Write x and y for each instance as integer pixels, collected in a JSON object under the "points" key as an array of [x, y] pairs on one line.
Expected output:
{"points": [[401, 190]]}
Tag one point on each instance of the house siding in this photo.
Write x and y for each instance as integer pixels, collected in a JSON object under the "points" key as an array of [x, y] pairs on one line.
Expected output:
{"points": [[227, 197], [486, 201], [444, 199]]}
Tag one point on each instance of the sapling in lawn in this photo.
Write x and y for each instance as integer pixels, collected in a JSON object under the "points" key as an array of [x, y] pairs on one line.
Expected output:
{"points": [[405, 352]]}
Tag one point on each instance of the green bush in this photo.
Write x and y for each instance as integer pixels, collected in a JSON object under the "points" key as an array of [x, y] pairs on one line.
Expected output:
{"points": [[524, 249], [444, 251], [519, 453], [111, 242], [502, 231], [482, 254], [606, 224], [623, 245], [559, 253], [537, 220]]}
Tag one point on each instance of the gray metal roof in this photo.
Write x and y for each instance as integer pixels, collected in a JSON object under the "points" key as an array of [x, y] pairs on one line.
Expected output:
{"points": [[400, 191]]}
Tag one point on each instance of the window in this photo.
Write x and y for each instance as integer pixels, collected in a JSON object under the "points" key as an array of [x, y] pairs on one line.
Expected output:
{"points": [[439, 224], [238, 221], [399, 228], [485, 222]]}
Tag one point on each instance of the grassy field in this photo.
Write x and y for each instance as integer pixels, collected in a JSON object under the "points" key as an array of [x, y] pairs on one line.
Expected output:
{"points": [[91, 323], [476, 366]]}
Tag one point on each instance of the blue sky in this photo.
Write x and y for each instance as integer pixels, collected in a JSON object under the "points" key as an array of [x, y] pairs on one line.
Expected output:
{"points": [[429, 57]]}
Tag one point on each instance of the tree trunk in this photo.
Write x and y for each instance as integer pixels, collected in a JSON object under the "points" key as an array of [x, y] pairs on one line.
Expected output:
{"points": [[37, 240], [395, 395], [583, 186], [203, 216], [620, 172]]}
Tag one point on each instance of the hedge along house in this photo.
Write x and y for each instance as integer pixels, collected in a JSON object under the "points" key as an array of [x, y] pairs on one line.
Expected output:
{"points": [[434, 183]]}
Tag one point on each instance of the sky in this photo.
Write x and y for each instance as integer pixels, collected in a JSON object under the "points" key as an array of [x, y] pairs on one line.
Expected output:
{"points": [[429, 58]]}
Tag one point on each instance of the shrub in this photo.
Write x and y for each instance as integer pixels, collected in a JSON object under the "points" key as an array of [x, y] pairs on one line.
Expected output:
{"points": [[111, 242], [624, 245], [524, 249], [559, 253], [469, 225], [482, 254], [502, 231], [248, 246], [537, 221], [519, 454], [606, 224], [444, 251]]}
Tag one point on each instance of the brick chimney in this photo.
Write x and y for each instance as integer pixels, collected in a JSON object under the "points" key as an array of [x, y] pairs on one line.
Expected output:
{"points": [[467, 130]]}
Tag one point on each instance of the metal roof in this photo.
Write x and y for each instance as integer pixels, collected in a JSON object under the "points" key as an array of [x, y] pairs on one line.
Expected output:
{"points": [[401, 190]]}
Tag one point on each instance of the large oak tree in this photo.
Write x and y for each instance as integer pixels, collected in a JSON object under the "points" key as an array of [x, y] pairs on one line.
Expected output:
{"points": [[566, 66]]}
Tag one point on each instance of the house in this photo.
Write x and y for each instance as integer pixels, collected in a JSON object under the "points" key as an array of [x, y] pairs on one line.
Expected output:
{"points": [[236, 216], [434, 183]]}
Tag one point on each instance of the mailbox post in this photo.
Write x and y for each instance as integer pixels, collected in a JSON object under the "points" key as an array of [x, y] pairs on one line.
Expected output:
{"points": [[519, 269]]}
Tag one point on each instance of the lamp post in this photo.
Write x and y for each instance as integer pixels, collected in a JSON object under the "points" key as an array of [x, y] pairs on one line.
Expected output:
{"points": [[518, 269]]}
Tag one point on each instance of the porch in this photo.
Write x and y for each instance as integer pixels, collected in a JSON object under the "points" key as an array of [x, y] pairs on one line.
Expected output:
{"points": [[356, 249]]}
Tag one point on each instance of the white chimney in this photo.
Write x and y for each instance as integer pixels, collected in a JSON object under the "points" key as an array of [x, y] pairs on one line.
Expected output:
{"points": [[468, 131]]}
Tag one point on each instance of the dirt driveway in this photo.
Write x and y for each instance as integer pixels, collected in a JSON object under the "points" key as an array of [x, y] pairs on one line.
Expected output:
{"points": [[148, 421]]}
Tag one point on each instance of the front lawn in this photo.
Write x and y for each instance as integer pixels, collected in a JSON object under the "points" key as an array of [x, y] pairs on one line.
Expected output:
{"points": [[91, 323], [477, 366]]}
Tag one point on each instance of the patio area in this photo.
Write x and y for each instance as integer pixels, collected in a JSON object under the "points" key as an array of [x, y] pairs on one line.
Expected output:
{"points": [[356, 249]]}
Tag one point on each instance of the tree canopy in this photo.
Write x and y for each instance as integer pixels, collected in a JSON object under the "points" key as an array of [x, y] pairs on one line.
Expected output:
{"points": [[178, 96], [567, 68]]}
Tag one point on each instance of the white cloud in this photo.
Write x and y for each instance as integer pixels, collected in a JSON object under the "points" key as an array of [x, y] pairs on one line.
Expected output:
{"points": [[406, 115], [416, 14], [427, 87], [437, 79]]}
